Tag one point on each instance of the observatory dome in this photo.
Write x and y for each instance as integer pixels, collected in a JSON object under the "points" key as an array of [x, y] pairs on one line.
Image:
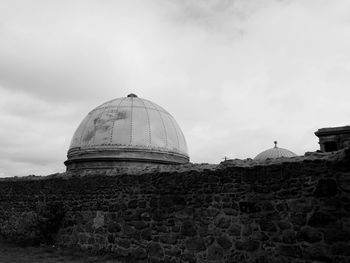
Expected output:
{"points": [[127, 131], [274, 153]]}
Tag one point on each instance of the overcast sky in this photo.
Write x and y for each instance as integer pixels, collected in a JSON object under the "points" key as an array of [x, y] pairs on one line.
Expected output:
{"points": [[235, 74]]}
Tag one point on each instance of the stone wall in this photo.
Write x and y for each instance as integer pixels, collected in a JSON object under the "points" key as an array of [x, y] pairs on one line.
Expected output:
{"points": [[295, 211]]}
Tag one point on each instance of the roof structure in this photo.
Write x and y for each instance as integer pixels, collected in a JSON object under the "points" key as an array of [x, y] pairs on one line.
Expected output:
{"points": [[333, 138], [128, 129], [332, 131], [274, 153]]}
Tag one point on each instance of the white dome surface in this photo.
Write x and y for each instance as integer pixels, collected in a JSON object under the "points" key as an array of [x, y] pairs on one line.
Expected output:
{"points": [[128, 125], [274, 153]]}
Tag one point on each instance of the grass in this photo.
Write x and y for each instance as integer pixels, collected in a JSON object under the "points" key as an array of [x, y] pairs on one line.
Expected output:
{"points": [[10, 253]]}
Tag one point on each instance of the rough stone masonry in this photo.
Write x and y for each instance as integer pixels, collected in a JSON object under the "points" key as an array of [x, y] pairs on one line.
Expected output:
{"points": [[295, 210]]}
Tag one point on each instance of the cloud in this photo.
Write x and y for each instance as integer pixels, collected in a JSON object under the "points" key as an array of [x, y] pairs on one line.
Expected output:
{"points": [[236, 75], [33, 133]]}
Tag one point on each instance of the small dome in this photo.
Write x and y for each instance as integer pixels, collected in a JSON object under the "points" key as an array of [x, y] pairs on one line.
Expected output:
{"points": [[127, 130], [274, 153]]}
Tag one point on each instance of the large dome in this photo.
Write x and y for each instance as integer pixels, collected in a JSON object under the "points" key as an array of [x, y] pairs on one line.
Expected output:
{"points": [[274, 153], [127, 130]]}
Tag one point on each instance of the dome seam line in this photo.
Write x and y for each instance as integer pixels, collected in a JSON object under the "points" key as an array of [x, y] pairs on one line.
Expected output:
{"points": [[183, 137], [149, 123], [112, 130], [131, 120], [82, 133], [177, 136], [166, 135]]}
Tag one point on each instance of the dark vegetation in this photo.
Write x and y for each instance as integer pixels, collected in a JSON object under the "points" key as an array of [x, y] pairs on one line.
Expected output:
{"points": [[11, 253], [34, 227]]}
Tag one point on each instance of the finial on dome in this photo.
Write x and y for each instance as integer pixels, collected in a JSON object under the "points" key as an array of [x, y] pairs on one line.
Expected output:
{"points": [[132, 95], [275, 142]]}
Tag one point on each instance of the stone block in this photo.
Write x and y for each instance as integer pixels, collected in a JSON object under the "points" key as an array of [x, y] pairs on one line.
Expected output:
{"points": [[196, 244], [155, 250], [288, 236], [215, 253], [168, 239], [298, 219], [99, 220], [317, 253], [267, 225], [111, 238], [260, 236], [129, 231], [139, 225], [230, 211], [166, 202], [120, 252], [282, 207], [142, 204], [173, 251], [204, 231], [224, 242], [223, 222], [111, 217], [341, 249], [335, 234], [309, 234], [146, 234], [159, 214], [185, 213], [208, 241], [322, 219], [290, 251], [188, 258], [267, 206], [132, 204], [145, 216], [212, 212], [248, 245], [113, 227], [284, 225], [344, 180], [139, 253], [188, 228], [179, 200], [235, 230], [123, 242], [238, 256], [247, 230], [153, 203], [326, 188], [249, 207]]}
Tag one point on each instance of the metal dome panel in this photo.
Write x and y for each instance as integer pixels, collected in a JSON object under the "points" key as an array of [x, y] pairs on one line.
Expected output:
{"points": [[275, 153], [129, 123]]}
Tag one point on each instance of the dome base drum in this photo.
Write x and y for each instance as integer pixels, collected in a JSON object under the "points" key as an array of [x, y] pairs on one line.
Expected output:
{"points": [[106, 158]]}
